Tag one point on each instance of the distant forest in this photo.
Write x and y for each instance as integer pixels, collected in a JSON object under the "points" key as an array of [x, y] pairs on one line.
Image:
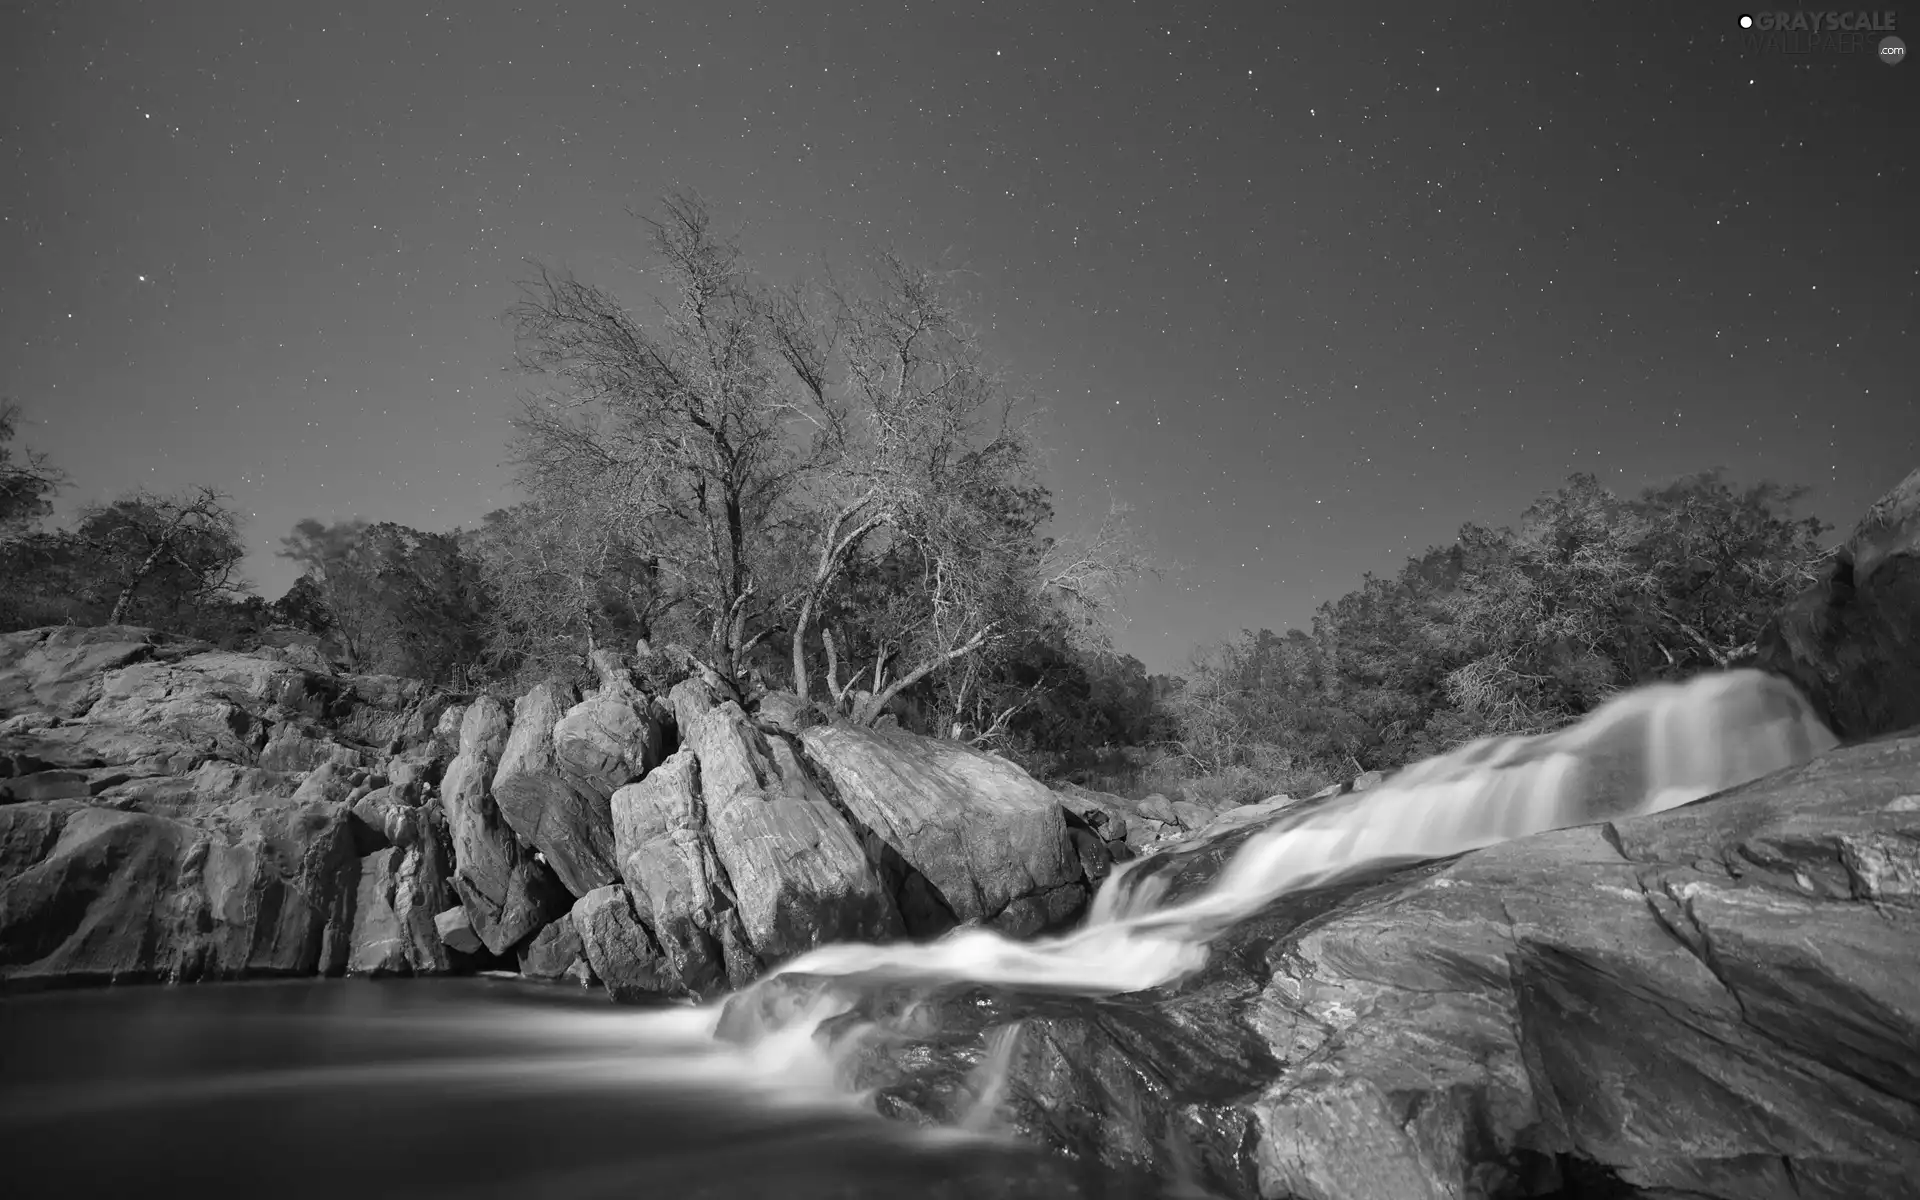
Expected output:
{"points": [[832, 491]]}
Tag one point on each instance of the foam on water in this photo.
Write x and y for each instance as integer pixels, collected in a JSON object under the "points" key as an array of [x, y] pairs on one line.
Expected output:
{"points": [[1646, 750]]}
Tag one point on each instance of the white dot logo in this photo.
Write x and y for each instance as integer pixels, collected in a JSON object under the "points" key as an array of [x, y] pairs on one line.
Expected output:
{"points": [[1893, 51], [1746, 22]]}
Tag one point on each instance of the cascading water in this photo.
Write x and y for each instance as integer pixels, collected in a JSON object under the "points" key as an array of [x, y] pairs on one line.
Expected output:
{"points": [[757, 1095], [1647, 750]]}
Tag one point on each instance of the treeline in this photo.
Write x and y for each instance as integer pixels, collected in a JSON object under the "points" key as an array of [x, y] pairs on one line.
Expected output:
{"points": [[831, 490], [826, 489], [1506, 631]]}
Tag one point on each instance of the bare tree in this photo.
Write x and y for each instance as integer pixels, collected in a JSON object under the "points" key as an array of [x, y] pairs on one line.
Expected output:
{"points": [[762, 448], [189, 542], [676, 434], [931, 462]]}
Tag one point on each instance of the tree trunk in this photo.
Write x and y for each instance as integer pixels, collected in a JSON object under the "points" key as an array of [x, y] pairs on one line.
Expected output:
{"points": [[140, 573]]}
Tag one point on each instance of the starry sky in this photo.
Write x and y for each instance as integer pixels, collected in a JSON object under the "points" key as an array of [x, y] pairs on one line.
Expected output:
{"points": [[1309, 285]]}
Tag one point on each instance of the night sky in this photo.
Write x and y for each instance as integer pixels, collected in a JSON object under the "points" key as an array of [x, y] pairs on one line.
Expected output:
{"points": [[1309, 285]]}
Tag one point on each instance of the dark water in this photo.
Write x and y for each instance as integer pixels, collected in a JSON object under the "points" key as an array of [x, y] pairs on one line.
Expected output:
{"points": [[470, 1087]]}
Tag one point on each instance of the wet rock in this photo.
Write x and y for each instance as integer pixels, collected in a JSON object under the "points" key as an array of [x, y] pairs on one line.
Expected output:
{"points": [[984, 833], [619, 947], [557, 952], [571, 828], [1714, 1002], [799, 876], [1366, 781]]}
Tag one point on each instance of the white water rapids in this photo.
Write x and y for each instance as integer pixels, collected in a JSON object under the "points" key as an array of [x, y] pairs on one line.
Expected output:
{"points": [[1647, 750]]}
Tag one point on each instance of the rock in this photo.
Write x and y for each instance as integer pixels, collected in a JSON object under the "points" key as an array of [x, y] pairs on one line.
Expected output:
{"points": [[1851, 642], [1190, 814], [1714, 1001], [1101, 811], [674, 875], [557, 952], [383, 818], [1158, 808], [618, 946], [1145, 835], [403, 889], [571, 828], [1366, 781], [1090, 849], [254, 887], [785, 712], [797, 871], [456, 931], [689, 699], [607, 741], [983, 832], [59, 670], [506, 892]]}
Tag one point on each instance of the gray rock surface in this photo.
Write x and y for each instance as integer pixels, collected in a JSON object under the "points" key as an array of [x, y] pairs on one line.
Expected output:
{"points": [[1851, 642], [571, 828], [798, 874]]}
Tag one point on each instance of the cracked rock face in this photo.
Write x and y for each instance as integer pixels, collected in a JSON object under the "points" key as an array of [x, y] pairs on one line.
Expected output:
{"points": [[171, 811], [1716, 1001]]}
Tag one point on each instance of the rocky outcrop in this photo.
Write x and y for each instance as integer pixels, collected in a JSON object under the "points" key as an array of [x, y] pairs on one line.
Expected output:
{"points": [[572, 829], [402, 892], [674, 875], [796, 871], [990, 840], [1851, 642], [1716, 1001], [254, 886], [508, 894], [152, 828], [177, 812], [609, 740]]}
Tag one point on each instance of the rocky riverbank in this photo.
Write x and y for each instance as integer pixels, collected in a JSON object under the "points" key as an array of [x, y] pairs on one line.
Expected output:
{"points": [[1715, 1001]]}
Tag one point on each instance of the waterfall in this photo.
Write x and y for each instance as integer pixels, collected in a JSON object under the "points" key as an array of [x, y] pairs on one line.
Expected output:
{"points": [[1646, 750]]}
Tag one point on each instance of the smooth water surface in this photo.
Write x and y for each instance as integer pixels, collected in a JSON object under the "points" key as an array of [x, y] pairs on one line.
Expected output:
{"points": [[454, 1087]]}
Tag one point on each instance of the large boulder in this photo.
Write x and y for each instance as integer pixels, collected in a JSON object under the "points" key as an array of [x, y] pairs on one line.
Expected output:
{"points": [[403, 890], [607, 741], [572, 829], [557, 952], [618, 945], [797, 872], [988, 837], [252, 886], [508, 894], [674, 876], [1852, 640]]}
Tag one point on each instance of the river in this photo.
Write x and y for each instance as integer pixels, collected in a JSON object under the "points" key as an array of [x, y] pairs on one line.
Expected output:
{"points": [[475, 1088]]}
